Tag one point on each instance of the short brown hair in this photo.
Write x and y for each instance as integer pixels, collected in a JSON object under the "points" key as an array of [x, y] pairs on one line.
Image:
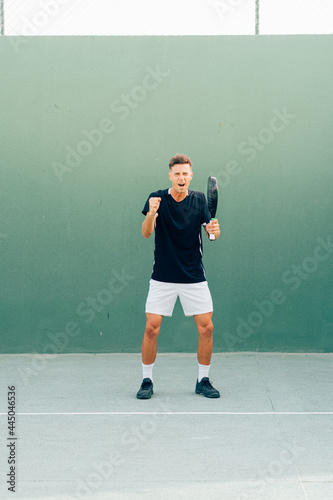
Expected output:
{"points": [[182, 159]]}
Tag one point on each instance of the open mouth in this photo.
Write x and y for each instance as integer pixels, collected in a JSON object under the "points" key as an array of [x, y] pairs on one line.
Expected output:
{"points": [[181, 185]]}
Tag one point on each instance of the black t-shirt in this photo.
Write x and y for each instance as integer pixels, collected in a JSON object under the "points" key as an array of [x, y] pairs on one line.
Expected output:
{"points": [[178, 243]]}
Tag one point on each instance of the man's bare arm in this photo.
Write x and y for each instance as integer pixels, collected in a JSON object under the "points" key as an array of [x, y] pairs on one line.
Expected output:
{"points": [[148, 225], [149, 222]]}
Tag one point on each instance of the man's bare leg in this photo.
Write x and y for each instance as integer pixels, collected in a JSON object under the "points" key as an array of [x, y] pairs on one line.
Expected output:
{"points": [[205, 348], [148, 349], [149, 342], [205, 343]]}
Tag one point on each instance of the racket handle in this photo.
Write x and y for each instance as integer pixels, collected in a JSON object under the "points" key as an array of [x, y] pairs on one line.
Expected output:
{"points": [[212, 236]]}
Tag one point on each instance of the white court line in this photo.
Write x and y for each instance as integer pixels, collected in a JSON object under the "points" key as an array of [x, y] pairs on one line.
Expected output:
{"points": [[129, 413]]}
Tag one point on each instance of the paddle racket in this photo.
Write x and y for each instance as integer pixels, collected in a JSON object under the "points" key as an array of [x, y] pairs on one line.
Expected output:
{"points": [[212, 198]]}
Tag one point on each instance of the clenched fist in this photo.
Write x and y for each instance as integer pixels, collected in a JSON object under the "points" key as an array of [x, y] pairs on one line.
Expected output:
{"points": [[154, 204]]}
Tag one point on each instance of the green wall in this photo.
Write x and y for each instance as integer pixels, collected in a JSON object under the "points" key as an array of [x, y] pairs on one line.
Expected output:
{"points": [[87, 129]]}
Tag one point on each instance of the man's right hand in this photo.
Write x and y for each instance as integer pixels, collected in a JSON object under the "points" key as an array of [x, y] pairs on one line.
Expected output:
{"points": [[154, 204], [148, 223]]}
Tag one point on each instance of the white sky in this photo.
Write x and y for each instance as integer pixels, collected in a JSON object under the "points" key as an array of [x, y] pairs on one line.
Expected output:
{"points": [[166, 17]]}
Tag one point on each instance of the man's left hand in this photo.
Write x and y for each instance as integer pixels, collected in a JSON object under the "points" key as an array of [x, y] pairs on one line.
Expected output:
{"points": [[213, 228]]}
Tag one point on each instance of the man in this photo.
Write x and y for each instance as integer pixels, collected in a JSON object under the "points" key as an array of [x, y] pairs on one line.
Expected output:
{"points": [[177, 215]]}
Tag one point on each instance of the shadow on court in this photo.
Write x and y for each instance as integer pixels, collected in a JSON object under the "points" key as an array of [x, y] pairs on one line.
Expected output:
{"points": [[82, 434]]}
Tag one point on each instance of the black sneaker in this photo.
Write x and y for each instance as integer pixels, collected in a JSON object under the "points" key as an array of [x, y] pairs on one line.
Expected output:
{"points": [[146, 389], [205, 388]]}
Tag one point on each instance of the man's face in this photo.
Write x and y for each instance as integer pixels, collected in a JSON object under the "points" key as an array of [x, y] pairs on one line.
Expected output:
{"points": [[180, 176]]}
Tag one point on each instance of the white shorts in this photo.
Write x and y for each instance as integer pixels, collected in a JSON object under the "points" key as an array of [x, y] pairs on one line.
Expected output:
{"points": [[195, 298]]}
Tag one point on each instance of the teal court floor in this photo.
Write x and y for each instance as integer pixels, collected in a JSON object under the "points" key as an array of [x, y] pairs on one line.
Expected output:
{"points": [[82, 434]]}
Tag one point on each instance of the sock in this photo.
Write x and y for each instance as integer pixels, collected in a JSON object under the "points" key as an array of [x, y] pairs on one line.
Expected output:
{"points": [[147, 371], [203, 371]]}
